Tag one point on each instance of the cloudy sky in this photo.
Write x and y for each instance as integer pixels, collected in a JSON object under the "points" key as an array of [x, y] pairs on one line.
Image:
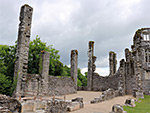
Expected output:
{"points": [[71, 24]]}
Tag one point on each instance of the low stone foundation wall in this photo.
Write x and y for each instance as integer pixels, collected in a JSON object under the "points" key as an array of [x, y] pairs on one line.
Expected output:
{"points": [[35, 85], [108, 94], [9, 105], [54, 105]]}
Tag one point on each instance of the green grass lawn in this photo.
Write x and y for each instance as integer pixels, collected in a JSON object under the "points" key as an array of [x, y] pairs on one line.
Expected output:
{"points": [[141, 107]]}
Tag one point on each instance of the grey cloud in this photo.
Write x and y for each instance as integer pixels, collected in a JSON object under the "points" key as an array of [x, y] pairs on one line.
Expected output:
{"points": [[106, 22]]}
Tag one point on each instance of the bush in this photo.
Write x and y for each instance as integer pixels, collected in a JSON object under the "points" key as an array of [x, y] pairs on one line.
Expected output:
{"points": [[5, 85]]}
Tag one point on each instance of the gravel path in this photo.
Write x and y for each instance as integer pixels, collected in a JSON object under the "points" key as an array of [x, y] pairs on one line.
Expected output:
{"points": [[103, 107]]}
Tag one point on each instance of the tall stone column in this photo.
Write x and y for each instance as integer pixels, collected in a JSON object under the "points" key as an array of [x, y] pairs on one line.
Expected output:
{"points": [[90, 65], [121, 82], [112, 63], [74, 66], [21, 63], [44, 71]]}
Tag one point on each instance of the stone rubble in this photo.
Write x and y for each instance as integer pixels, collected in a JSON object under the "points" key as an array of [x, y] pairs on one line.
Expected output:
{"points": [[9, 105], [107, 95], [117, 109]]}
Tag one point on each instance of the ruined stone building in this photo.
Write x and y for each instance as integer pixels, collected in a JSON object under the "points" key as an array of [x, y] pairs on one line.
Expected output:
{"points": [[133, 75], [39, 84]]}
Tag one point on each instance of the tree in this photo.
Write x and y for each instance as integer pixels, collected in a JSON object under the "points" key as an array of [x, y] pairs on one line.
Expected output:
{"points": [[5, 85], [35, 48], [66, 71], [7, 60], [82, 78]]}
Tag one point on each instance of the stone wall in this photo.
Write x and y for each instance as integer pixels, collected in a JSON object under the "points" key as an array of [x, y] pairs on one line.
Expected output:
{"points": [[50, 105], [39, 84], [61, 85], [56, 85], [101, 83], [115, 82], [133, 75], [9, 105]]}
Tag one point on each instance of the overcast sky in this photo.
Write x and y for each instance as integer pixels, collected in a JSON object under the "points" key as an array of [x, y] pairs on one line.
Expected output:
{"points": [[71, 24]]}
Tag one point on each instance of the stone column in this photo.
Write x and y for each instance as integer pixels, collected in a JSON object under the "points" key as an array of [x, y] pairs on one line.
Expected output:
{"points": [[21, 63], [90, 65], [74, 66], [44, 71], [112, 63], [121, 82]]}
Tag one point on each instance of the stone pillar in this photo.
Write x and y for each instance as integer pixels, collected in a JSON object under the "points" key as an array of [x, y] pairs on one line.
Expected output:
{"points": [[22, 48], [122, 83], [90, 65], [44, 71], [112, 63], [74, 66]]}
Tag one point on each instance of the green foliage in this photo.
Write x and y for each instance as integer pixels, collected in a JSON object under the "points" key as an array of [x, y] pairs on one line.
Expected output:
{"points": [[66, 71], [141, 107], [56, 67], [7, 62], [79, 82], [35, 48], [5, 85], [7, 56], [82, 78]]}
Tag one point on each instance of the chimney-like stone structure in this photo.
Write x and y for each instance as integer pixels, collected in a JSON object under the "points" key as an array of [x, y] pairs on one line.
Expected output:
{"points": [[90, 65], [112, 63], [22, 51], [74, 66], [44, 71]]}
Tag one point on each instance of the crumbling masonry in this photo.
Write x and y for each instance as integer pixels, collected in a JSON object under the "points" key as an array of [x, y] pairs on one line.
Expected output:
{"points": [[133, 75], [112, 63], [39, 84]]}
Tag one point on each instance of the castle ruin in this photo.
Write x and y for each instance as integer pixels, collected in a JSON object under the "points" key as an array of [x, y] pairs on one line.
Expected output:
{"points": [[39, 84], [132, 76]]}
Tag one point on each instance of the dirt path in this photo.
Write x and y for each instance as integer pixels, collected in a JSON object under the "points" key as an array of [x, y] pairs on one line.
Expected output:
{"points": [[103, 107]]}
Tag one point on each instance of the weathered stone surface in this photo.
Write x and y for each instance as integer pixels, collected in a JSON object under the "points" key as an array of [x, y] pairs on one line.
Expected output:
{"points": [[74, 66], [130, 102], [106, 95], [56, 85], [90, 65], [9, 105], [76, 104], [117, 109], [133, 75], [44, 71], [61, 85], [44, 106], [56, 106], [39, 84], [112, 63], [21, 63]]}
